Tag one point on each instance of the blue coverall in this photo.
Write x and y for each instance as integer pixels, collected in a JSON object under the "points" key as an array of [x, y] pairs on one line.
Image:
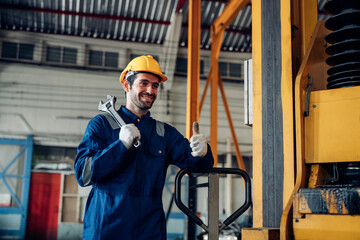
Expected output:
{"points": [[125, 201]]}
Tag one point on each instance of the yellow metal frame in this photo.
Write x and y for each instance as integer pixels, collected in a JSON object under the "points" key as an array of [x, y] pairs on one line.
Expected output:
{"points": [[257, 117], [287, 107], [217, 32], [287, 101], [193, 67], [313, 64]]}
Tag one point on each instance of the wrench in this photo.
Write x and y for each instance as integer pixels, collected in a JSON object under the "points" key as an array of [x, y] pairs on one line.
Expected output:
{"points": [[109, 107]]}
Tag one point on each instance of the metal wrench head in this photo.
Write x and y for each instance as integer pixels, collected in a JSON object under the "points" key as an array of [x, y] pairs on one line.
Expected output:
{"points": [[109, 107], [110, 100]]}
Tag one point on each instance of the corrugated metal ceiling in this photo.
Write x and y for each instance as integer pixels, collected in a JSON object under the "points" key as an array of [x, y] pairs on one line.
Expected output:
{"points": [[125, 20]]}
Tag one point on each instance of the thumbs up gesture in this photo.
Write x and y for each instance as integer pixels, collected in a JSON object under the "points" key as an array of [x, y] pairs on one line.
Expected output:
{"points": [[198, 142]]}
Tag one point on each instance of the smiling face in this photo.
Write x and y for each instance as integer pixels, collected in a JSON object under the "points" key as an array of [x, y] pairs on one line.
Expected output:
{"points": [[141, 94]]}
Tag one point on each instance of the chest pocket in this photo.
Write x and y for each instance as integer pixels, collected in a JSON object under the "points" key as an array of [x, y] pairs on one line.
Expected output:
{"points": [[157, 146]]}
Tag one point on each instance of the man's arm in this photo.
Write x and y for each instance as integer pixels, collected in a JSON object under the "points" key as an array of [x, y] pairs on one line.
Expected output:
{"points": [[95, 159]]}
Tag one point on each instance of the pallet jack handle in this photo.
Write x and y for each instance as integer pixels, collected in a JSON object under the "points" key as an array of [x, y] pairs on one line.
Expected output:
{"points": [[192, 215]]}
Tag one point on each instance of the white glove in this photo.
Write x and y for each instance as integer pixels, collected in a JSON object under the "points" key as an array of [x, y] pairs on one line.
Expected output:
{"points": [[128, 133], [198, 142]]}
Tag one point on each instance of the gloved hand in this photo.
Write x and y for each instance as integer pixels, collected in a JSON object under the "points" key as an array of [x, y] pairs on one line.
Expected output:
{"points": [[128, 133], [198, 142]]}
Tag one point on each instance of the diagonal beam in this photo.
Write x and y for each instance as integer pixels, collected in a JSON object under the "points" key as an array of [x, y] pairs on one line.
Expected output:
{"points": [[208, 80], [217, 32], [14, 159], [12, 193], [228, 15], [240, 160]]}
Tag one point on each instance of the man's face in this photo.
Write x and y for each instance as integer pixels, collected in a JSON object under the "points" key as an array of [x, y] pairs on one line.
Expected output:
{"points": [[143, 92]]}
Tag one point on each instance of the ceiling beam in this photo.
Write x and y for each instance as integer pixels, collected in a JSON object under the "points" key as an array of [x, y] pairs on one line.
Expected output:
{"points": [[80, 14], [226, 1], [239, 31]]}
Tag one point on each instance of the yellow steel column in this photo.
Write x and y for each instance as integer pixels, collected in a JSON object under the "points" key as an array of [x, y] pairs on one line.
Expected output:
{"points": [[304, 18], [257, 116], [193, 67], [193, 82], [287, 101]]}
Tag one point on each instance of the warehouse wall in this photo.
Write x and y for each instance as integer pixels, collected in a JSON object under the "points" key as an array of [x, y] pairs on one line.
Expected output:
{"points": [[54, 103]]}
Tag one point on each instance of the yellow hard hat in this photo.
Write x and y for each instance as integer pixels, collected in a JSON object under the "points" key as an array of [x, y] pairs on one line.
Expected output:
{"points": [[143, 64]]}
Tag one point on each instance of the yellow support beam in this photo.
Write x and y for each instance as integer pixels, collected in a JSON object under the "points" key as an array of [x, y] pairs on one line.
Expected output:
{"points": [[271, 44], [193, 67], [230, 12], [257, 116], [287, 101]]}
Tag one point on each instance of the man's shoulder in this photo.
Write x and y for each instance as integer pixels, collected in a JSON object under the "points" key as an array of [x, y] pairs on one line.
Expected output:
{"points": [[101, 120]]}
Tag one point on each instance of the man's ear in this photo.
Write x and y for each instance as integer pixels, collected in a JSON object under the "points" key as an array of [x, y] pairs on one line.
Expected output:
{"points": [[126, 85]]}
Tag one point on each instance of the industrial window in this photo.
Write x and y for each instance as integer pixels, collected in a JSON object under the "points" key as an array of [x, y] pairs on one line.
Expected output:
{"points": [[17, 50], [57, 54], [69, 55], [26, 51], [95, 58], [223, 69], [111, 59], [181, 65], [53, 54], [235, 70], [103, 59], [230, 70]]}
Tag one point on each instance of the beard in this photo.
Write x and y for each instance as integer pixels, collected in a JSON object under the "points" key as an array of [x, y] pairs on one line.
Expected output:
{"points": [[143, 104]]}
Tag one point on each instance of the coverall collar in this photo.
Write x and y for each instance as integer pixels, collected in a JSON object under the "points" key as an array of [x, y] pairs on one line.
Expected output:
{"points": [[132, 116]]}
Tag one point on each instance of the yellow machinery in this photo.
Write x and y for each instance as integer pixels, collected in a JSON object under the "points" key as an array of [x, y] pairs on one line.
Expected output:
{"points": [[326, 198], [306, 115], [306, 125]]}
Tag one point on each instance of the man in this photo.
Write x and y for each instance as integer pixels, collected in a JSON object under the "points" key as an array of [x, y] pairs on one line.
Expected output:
{"points": [[127, 182]]}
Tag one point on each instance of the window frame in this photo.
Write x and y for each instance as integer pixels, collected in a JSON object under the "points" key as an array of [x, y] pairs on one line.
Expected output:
{"points": [[103, 58], [62, 50], [18, 46], [228, 75], [202, 66]]}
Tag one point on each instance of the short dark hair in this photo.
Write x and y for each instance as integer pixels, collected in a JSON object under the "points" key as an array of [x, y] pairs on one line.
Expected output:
{"points": [[131, 80], [132, 77]]}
